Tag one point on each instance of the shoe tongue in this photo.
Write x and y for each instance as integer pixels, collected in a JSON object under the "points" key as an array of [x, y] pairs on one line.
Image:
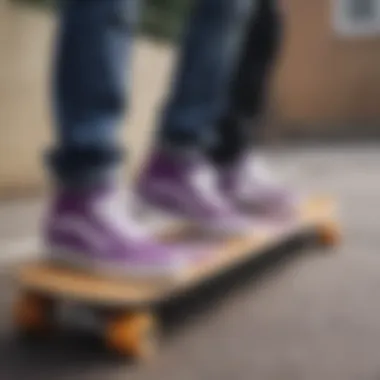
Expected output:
{"points": [[116, 206]]}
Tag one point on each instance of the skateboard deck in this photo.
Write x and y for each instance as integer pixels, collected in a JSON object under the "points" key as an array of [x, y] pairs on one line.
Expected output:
{"points": [[129, 302]]}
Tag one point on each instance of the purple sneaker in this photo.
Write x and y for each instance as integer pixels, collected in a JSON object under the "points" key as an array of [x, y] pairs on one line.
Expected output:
{"points": [[249, 184], [90, 229], [184, 184]]}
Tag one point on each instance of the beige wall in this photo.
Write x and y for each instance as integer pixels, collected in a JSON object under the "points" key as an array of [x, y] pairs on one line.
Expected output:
{"points": [[324, 78], [24, 45]]}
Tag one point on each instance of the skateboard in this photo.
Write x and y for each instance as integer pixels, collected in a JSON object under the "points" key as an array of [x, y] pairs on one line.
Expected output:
{"points": [[127, 307]]}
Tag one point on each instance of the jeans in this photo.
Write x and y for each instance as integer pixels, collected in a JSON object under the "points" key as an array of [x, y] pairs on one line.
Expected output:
{"points": [[239, 128], [91, 80]]}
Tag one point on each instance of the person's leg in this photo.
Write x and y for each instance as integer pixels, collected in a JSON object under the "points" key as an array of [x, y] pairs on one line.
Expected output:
{"points": [[243, 177], [207, 62], [177, 176], [88, 224], [93, 55], [240, 126]]}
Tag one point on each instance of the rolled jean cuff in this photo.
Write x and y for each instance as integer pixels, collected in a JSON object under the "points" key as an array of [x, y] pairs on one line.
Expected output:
{"points": [[83, 167]]}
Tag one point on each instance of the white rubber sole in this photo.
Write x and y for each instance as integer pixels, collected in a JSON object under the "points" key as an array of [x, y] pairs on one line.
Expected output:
{"points": [[248, 225], [78, 261]]}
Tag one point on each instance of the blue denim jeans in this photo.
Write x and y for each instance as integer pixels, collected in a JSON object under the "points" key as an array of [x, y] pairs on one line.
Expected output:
{"points": [[91, 80], [240, 127]]}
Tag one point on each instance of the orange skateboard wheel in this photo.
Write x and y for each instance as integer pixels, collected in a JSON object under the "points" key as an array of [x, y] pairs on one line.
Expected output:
{"points": [[133, 334], [329, 234], [32, 314]]}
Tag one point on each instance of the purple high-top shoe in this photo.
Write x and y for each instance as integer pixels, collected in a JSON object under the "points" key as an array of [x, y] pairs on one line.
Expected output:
{"points": [[249, 184], [90, 229], [184, 184]]}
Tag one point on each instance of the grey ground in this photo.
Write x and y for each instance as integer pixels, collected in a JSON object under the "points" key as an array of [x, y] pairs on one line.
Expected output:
{"points": [[315, 316]]}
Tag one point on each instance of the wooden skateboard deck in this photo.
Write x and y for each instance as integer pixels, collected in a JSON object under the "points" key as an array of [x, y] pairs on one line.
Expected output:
{"points": [[43, 284]]}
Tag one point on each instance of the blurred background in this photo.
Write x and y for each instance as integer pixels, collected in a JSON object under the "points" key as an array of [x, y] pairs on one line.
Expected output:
{"points": [[317, 318]]}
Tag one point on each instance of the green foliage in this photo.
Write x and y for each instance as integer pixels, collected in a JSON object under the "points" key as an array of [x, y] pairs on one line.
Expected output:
{"points": [[164, 18], [161, 19]]}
